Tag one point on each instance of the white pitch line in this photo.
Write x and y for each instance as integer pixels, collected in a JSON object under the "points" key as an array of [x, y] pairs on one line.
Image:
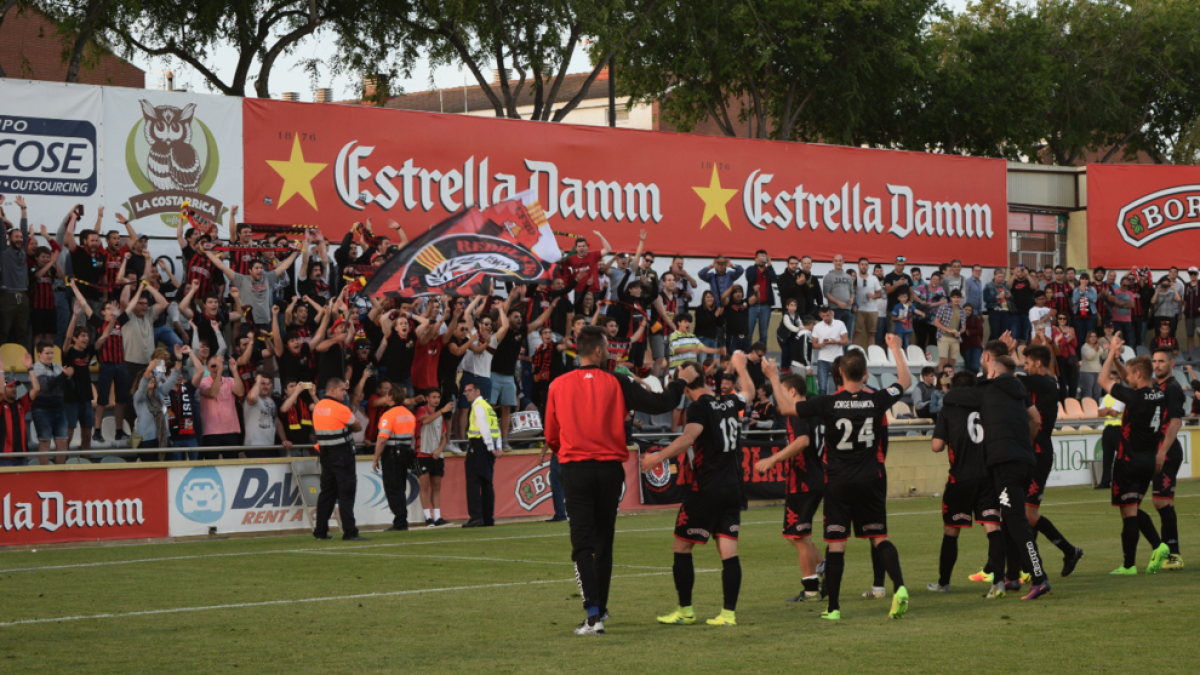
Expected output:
{"points": [[472, 559], [46, 568], [268, 603]]}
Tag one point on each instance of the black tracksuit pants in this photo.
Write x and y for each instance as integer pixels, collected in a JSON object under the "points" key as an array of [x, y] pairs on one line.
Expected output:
{"points": [[481, 494], [395, 486], [1012, 481], [592, 491], [339, 483]]}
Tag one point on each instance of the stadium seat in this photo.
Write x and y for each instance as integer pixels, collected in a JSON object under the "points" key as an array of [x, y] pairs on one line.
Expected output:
{"points": [[901, 408], [78, 460], [886, 380], [856, 348], [1196, 354], [912, 433], [1062, 414], [1142, 350], [1073, 409], [932, 354], [1090, 409], [13, 356], [1067, 429], [876, 357], [112, 459], [915, 357], [1181, 378], [1127, 353], [57, 355]]}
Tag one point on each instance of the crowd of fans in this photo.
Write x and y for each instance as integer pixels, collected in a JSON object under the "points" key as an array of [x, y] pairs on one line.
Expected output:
{"points": [[232, 351]]}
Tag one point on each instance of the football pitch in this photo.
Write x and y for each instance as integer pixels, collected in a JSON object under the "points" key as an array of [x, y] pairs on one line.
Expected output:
{"points": [[504, 600]]}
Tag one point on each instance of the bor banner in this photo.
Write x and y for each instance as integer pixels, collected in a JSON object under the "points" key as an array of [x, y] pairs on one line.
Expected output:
{"points": [[60, 506], [332, 165], [1143, 215]]}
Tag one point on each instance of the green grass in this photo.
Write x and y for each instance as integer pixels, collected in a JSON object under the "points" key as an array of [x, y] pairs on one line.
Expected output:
{"points": [[1090, 624]]}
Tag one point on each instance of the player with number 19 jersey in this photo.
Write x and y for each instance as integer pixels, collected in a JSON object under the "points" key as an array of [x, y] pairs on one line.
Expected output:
{"points": [[713, 506], [855, 483]]}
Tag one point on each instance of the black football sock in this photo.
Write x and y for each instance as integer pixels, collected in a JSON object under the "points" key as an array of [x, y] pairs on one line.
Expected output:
{"points": [[1129, 540], [891, 562], [1146, 525], [1047, 528], [1012, 554], [811, 584], [731, 581], [1170, 527], [835, 564], [685, 578], [947, 560], [996, 553], [877, 568]]}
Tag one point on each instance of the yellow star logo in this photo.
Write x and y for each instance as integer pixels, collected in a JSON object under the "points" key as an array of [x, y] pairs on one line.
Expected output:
{"points": [[715, 198], [297, 176]]}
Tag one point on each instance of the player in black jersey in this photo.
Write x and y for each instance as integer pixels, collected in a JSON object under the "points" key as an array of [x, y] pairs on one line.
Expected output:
{"points": [[805, 488], [855, 485], [713, 505], [1043, 390], [1163, 361], [1140, 454], [969, 494]]}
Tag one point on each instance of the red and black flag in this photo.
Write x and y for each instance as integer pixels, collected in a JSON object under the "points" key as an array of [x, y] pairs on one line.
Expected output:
{"points": [[462, 255]]}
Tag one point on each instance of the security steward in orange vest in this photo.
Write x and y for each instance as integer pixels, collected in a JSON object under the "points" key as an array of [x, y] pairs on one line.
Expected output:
{"points": [[333, 423], [394, 453]]}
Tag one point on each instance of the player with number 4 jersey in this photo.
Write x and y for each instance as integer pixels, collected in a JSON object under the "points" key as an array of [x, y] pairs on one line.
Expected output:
{"points": [[854, 419], [713, 505]]}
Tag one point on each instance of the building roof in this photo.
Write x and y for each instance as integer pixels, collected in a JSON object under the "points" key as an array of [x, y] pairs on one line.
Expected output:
{"points": [[451, 100]]}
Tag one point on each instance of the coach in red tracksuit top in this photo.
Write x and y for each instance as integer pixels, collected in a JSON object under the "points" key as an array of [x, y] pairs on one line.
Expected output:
{"points": [[585, 427]]}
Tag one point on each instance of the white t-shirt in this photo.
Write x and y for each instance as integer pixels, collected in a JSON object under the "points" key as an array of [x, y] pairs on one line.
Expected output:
{"points": [[479, 364], [1035, 315], [259, 421], [864, 286], [881, 305], [831, 331]]}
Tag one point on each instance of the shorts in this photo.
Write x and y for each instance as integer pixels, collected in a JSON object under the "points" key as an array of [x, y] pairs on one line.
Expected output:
{"points": [[1130, 482], [431, 466], [504, 390], [968, 498], [1193, 324], [799, 509], [717, 511], [51, 424], [1041, 473], [862, 504], [112, 375], [658, 347], [866, 322], [637, 355], [81, 414], [483, 383], [1164, 483], [949, 348], [43, 321]]}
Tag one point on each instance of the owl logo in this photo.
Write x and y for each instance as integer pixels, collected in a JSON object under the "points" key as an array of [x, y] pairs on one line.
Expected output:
{"points": [[173, 163]]}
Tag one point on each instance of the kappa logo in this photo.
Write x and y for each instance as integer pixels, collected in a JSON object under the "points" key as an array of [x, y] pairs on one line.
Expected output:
{"points": [[697, 530], [873, 527], [533, 487], [835, 528], [172, 157], [1160, 213], [1004, 498]]}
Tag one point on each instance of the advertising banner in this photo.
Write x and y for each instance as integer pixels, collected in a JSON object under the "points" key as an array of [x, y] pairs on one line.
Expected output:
{"points": [[265, 498], [1143, 215], [165, 148], [668, 482], [333, 165], [51, 150], [62, 506], [1070, 452]]}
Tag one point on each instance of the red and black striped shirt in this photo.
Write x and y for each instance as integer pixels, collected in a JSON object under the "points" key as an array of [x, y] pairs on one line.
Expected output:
{"points": [[112, 267], [200, 270], [113, 349], [13, 432], [41, 289]]}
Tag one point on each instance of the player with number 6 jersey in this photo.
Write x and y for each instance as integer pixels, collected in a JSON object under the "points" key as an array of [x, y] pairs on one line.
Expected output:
{"points": [[855, 420]]}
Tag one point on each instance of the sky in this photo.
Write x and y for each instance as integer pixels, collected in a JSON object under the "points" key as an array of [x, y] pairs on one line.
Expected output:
{"points": [[288, 74]]}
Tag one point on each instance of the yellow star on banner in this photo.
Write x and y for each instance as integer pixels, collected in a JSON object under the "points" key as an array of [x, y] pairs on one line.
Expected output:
{"points": [[715, 198], [297, 175]]}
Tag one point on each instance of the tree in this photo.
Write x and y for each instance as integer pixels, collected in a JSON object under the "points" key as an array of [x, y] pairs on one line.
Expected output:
{"points": [[190, 30], [77, 22], [535, 39]]}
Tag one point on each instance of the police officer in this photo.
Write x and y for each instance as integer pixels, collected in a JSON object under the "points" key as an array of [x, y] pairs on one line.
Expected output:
{"points": [[333, 423], [483, 447], [394, 451]]}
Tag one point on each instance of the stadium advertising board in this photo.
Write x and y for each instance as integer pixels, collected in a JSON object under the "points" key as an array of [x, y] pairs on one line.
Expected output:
{"points": [[264, 498], [1143, 215], [63, 506], [697, 195], [1071, 452]]}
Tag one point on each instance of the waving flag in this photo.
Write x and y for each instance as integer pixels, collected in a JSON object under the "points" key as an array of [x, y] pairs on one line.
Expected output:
{"points": [[510, 241]]}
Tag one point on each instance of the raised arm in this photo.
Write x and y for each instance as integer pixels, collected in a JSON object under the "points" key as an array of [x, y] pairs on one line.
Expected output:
{"points": [[219, 264], [903, 375]]}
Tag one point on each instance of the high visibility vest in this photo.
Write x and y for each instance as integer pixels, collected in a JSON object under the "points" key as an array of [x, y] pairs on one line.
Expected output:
{"points": [[493, 422], [398, 424], [1110, 402], [331, 423]]}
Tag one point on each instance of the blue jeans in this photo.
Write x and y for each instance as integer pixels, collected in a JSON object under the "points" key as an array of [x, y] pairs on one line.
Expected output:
{"points": [[735, 343], [971, 357], [760, 314], [183, 443], [881, 330], [712, 343], [846, 316], [824, 381], [905, 339], [1019, 325], [785, 353], [168, 337], [50, 423], [556, 488], [1083, 327], [997, 324]]}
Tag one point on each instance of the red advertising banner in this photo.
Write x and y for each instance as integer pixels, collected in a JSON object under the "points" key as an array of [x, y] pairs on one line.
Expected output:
{"points": [[1143, 215], [59, 506], [333, 165]]}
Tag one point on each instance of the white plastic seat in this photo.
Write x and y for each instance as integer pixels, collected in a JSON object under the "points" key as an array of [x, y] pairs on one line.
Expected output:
{"points": [[876, 357], [1127, 353], [915, 357]]}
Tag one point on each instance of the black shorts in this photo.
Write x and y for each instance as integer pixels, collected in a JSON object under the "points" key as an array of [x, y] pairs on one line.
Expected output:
{"points": [[1164, 483], [44, 321], [717, 511], [968, 498], [1041, 474], [1130, 482], [863, 504], [798, 512], [431, 466]]}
